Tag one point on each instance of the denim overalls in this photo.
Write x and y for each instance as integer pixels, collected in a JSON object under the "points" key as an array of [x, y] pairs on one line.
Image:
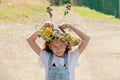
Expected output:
{"points": [[58, 73]]}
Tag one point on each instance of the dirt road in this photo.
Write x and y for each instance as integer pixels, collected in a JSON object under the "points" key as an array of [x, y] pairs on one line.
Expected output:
{"points": [[100, 61]]}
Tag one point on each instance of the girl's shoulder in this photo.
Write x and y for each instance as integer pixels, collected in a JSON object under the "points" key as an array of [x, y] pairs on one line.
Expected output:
{"points": [[44, 56], [44, 53], [74, 54], [74, 50], [74, 57]]}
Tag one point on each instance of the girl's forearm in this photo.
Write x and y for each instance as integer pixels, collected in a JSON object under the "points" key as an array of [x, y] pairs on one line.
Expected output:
{"points": [[33, 37], [33, 44], [82, 35]]}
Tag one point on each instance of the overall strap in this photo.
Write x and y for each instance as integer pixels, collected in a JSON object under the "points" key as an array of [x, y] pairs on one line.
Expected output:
{"points": [[66, 59], [50, 59]]}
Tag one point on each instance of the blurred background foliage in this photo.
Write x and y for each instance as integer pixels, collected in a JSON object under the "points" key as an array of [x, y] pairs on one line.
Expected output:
{"points": [[27, 11]]}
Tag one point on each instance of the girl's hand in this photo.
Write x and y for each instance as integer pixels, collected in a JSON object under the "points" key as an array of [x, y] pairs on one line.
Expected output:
{"points": [[49, 24], [64, 25]]}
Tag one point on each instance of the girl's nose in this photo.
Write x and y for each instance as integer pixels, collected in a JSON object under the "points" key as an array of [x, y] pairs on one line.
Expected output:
{"points": [[58, 49]]}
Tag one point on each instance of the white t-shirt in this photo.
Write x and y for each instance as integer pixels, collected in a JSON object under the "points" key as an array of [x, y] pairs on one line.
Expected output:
{"points": [[73, 61]]}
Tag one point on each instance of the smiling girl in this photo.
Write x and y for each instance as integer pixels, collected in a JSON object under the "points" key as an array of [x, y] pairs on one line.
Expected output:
{"points": [[58, 56]]}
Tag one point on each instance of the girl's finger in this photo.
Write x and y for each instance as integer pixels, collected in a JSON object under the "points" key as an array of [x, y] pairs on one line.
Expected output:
{"points": [[60, 26], [51, 25]]}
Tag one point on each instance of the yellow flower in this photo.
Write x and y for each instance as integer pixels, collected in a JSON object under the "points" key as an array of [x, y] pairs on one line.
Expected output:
{"points": [[47, 32], [76, 41], [69, 39]]}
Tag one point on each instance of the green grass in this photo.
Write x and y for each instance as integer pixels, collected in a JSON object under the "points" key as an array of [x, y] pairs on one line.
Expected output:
{"points": [[90, 13], [24, 14], [21, 14]]}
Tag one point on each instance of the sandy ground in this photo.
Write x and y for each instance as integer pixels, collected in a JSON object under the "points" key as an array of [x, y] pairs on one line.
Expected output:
{"points": [[100, 60]]}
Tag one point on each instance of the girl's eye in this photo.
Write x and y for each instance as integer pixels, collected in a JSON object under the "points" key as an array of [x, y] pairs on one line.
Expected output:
{"points": [[54, 47]]}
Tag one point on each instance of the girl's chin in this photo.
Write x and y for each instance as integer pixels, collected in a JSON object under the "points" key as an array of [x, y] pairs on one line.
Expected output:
{"points": [[58, 55]]}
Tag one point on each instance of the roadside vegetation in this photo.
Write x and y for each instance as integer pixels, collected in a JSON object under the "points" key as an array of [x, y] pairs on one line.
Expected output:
{"points": [[91, 13], [33, 11]]}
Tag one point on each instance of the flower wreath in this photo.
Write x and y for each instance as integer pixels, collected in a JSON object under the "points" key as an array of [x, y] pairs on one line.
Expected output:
{"points": [[50, 34]]}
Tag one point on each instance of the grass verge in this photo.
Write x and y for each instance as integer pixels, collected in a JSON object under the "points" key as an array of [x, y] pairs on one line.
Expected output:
{"points": [[21, 14], [90, 13]]}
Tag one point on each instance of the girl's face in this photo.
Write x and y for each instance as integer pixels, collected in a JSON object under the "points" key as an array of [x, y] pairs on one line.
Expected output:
{"points": [[58, 48]]}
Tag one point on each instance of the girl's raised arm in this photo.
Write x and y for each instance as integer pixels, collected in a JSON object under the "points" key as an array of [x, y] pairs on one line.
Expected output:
{"points": [[85, 38], [32, 42]]}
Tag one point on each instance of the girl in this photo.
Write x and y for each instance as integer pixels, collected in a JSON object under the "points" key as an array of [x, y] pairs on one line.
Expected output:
{"points": [[57, 57]]}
